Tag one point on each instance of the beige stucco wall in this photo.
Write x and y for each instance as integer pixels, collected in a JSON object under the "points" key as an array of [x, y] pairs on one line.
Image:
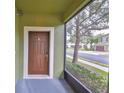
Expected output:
{"points": [[59, 51]]}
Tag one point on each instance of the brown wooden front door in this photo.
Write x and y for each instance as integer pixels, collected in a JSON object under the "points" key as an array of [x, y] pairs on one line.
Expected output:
{"points": [[38, 54]]}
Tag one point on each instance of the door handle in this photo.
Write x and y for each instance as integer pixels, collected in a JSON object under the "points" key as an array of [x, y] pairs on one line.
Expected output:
{"points": [[46, 57]]}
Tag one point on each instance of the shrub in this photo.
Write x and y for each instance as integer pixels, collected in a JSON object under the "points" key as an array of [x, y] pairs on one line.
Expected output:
{"points": [[96, 82]]}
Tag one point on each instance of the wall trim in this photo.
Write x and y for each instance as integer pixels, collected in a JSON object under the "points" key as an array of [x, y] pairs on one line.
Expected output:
{"points": [[51, 52]]}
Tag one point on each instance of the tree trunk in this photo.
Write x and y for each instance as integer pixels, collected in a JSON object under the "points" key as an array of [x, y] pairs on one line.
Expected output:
{"points": [[91, 46], [76, 48]]}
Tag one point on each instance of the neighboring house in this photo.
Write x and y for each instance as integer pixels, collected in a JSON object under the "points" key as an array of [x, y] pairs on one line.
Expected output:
{"points": [[71, 45], [103, 43]]}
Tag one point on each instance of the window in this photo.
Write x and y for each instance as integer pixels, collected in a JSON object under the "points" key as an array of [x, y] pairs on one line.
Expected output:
{"points": [[87, 57]]}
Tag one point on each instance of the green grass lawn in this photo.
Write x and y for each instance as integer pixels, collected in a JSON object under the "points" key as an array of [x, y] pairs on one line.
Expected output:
{"points": [[96, 80], [80, 49], [89, 67]]}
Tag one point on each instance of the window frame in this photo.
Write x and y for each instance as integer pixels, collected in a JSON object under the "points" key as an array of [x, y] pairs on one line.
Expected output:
{"points": [[76, 85]]}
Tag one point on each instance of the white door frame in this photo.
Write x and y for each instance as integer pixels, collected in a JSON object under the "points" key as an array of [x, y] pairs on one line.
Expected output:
{"points": [[51, 51]]}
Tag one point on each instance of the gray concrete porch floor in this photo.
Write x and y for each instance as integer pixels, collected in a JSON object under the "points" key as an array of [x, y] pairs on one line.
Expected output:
{"points": [[42, 86]]}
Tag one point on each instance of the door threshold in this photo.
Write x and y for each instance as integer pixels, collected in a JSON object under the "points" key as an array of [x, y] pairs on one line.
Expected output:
{"points": [[38, 77]]}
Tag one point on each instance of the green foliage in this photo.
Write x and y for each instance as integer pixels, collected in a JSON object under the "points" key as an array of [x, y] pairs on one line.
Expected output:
{"points": [[93, 17], [95, 81], [93, 40]]}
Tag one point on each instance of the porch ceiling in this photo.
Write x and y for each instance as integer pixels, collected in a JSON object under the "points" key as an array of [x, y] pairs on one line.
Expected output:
{"points": [[48, 7], [44, 6]]}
